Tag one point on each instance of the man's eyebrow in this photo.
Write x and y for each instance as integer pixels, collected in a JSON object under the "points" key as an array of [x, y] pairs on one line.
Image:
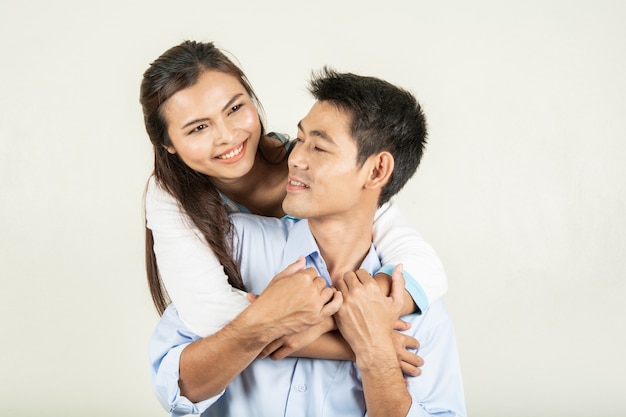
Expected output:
{"points": [[318, 133], [228, 104]]}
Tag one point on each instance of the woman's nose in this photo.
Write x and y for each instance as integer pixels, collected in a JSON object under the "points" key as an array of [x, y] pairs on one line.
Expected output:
{"points": [[225, 133]]}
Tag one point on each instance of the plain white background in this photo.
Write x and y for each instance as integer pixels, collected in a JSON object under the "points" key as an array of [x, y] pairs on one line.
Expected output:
{"points": [[522, 190]]}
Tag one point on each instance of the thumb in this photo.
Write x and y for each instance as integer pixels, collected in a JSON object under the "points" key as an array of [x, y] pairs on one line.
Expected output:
{"points": [[293, 268], [397, 285]]}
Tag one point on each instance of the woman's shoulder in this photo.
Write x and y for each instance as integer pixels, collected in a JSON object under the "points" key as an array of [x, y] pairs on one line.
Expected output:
{"points": [[157, 197], [154, 190], [275, 147], [282, 137]]}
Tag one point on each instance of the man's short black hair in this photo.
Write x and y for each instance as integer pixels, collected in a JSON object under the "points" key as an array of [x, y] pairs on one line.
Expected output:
{"points": [[383, 116]]}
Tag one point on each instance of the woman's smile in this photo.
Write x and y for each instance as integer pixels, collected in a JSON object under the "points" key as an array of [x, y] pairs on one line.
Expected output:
{"points": [[234, 154]]}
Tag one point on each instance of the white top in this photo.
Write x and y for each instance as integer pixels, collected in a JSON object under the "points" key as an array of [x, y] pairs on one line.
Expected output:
{"points": [[196, 283]]}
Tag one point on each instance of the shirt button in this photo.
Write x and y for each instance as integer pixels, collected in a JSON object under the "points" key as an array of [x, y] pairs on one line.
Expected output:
{"points": [[301, 387]]}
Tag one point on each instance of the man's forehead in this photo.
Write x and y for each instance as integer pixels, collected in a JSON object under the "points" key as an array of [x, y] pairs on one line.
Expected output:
{"points": [[326, 121]]}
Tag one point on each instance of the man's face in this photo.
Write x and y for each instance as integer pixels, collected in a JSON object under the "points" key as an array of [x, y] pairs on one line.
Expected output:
{"points": [[324, 179]]}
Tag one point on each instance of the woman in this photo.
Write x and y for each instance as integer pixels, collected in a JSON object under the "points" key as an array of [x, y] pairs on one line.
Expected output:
{"points": [[212, 157]]}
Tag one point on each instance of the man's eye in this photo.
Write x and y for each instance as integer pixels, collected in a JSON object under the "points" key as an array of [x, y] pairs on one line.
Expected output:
{"points": [[319, 149]]}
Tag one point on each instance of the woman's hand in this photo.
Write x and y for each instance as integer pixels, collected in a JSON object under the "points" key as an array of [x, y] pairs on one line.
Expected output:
{"points": [[287, 345], [409, 361]]}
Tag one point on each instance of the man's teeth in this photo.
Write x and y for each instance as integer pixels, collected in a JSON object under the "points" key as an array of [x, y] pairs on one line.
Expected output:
{"points": [[232, 153], [297, 184]]}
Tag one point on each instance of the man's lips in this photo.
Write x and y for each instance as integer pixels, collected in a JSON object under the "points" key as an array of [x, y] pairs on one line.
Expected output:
{"points": [[293, 183], [297, 183]]}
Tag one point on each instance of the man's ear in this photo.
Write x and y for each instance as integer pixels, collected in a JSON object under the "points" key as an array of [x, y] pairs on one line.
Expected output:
{"points": [[380, 170]]}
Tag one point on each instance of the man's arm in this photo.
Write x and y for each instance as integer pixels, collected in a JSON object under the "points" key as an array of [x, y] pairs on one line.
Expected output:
{"points": [[365, 320], [293, 301]]}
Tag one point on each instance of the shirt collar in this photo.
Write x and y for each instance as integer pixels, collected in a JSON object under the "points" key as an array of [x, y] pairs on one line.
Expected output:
{"points": [[302, 243]]}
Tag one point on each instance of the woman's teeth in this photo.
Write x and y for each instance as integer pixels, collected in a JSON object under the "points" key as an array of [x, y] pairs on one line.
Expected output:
{"points": [[232, 153]]}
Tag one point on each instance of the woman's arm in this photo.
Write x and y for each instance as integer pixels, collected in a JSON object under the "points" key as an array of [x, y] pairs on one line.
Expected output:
{"points": [[396, 242], [192, 275], [195, 280]]}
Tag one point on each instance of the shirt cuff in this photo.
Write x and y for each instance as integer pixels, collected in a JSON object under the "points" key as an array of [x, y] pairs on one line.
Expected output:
{"points": [[168, 391], [411, 285]]}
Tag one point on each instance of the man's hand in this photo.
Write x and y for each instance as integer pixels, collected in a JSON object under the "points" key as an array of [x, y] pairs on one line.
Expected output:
{"points": [[367, 315], [366, 320]]}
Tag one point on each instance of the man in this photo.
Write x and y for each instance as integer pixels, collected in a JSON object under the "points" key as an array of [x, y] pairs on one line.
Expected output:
{"points": [[359, 144]]}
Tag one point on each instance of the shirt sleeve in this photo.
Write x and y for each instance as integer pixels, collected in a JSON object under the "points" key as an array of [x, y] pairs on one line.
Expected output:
{"points": [[191, 273], [168, 340], [438, 391], [396, 241]]}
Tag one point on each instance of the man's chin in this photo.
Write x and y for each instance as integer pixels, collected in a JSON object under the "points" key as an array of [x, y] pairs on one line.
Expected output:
{"points": [[294, 208]]}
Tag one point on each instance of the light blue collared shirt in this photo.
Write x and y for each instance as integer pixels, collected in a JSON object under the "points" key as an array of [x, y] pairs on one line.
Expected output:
{"points": [[301, 387]]}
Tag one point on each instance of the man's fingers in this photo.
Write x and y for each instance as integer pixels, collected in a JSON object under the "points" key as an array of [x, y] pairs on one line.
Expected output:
{"points": [[320, 282], [334, 304], [341, 285]]}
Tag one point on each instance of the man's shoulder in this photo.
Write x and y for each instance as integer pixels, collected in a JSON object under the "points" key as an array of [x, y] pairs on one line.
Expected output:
{"points": [[252, 230], [253, 223], [434, 317], [259, 244]]}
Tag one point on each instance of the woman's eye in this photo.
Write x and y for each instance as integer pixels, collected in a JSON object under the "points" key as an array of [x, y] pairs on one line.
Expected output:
{"points": [[319, 149], [235, 108], [199, 128]]}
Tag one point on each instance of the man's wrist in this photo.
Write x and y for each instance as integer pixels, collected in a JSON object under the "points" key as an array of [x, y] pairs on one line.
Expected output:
{"points": [[377, 356], [254, 329]]}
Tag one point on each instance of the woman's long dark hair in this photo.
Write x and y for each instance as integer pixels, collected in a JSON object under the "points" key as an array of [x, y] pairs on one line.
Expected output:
{"points": [[178, 68]]}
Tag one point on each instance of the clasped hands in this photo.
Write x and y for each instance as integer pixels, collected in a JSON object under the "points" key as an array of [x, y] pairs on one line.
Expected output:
{"points": [[303, 309]]}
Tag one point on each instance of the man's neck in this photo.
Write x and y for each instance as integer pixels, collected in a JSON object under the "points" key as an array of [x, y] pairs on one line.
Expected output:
{"points": [[343, 242]]}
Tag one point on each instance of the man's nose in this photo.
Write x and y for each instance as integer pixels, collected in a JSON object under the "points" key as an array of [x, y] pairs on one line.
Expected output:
{"points": [[297, 157]]}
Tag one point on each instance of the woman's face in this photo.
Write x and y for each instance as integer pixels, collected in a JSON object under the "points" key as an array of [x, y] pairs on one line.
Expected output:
{"points": [[214, 126]]}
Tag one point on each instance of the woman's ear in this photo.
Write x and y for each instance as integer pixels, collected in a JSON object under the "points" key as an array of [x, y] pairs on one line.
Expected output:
{"points": [[170, 149], [380, 170]]}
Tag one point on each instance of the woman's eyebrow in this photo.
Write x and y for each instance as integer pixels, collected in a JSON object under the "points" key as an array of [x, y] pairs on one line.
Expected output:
{"points": [[232, 101], [226, 106]]}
